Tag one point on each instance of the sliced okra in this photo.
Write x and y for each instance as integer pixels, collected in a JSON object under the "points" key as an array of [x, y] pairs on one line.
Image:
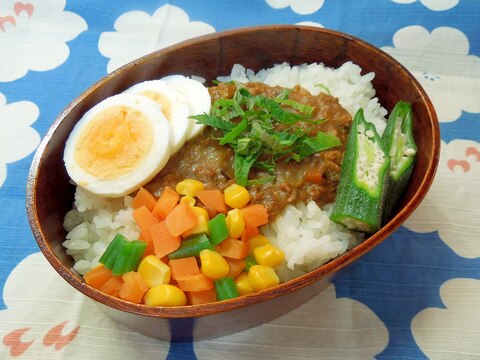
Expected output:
{"points": [[400, 145], [359, 199]]}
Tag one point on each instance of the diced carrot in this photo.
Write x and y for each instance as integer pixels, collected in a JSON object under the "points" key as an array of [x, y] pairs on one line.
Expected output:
{"points": [[163, 241], [233, 248], [213, 199], [165, 203], [144, 219], [255, 215], [249, 232], [98, 276], [149, 250], [236, 266], [314, 176], [144, 197], [201, 297], [197, 282], [182, 218], [112, 286], [133, 287], [184, 267]]}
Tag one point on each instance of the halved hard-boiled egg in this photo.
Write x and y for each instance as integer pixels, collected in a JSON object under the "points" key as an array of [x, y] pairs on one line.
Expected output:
{"points": [[174, 106], [197, 95], [118, 145]]}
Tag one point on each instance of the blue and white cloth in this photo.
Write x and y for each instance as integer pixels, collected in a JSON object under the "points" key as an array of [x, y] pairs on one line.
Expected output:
{"points": [[415, 296]]}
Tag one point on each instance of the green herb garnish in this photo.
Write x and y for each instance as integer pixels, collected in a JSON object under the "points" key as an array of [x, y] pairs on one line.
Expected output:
{"points": [[262, 131]]}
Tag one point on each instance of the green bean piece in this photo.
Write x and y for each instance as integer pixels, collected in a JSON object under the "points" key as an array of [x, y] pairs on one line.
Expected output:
{"points": [[249, 262], [225, 288], [359, 199], [137, 248], [122, 255], [110, 254], [191, 246], [218, 229]]}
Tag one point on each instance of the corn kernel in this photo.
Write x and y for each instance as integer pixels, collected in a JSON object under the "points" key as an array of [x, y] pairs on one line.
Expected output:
{"points": [[242, 284], [235, 223], [256, 241], [213, 265], [165, 295], [202, 224], [188, 199], [189, 187], [153, 271], [268, 255], [236, 196], [261, 277]]}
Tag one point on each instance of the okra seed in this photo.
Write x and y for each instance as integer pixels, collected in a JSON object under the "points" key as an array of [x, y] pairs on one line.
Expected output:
{"points": [[410, 152]]}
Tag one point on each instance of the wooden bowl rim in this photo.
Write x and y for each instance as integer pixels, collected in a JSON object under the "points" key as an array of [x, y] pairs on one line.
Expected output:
{"points": [[284, 288]]}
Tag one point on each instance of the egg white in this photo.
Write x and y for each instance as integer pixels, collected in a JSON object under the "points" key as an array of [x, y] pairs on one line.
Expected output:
{"points": [[149, 166], [197, 95], [179, 122]]}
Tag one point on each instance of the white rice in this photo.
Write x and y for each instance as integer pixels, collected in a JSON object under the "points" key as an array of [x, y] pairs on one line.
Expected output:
{"points": [[304, 232], [92, 224], [353, 90], [308, 237]]}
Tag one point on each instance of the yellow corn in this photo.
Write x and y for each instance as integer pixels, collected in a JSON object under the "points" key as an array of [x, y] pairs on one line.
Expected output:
{"points": [[202, 224], [268, 255], [235, 223], [189, 187], [213, 265], [256, 241], [165, 295], [242, 284], [261, 277], [188, 199], [236, 196], [153, 271]]}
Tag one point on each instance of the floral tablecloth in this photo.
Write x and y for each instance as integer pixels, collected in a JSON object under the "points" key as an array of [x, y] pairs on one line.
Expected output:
{"points": [[415, 296]]}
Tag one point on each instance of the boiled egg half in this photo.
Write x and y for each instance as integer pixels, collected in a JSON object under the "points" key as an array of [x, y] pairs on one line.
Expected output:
{"points": [[118, 145], [197, 95], [174, 106]]}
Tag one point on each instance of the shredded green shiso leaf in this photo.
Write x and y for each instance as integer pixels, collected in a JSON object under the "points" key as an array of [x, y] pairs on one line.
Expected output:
{"points": [[262, 131]]}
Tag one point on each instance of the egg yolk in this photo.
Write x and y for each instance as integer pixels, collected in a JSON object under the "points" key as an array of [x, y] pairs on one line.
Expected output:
{"points": [[161, 100], [114, 142]]}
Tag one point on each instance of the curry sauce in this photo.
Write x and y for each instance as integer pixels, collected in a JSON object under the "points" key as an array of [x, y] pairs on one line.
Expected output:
{"points": [[314, 178]]}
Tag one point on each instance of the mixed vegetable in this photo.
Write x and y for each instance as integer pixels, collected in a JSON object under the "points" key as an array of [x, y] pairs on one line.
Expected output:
{"points": [[196, 246]]}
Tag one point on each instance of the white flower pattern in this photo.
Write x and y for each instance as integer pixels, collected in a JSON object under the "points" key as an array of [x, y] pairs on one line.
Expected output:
{"points": [[442, 333], [354, 333], [34, 35], [435, 5], [17, 137], [443, 209], [446, 69], [301, 7], [142, 33]]}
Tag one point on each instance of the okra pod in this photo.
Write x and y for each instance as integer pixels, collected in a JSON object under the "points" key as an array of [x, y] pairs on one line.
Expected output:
{"points": [[400, 145], [359, 199]]}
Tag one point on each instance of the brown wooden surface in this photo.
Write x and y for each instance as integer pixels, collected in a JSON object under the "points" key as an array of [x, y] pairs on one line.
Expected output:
{"points": [[49, 194]]}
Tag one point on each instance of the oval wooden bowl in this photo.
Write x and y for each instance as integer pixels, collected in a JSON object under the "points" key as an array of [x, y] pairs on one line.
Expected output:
{"points": [[50, 195]]}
